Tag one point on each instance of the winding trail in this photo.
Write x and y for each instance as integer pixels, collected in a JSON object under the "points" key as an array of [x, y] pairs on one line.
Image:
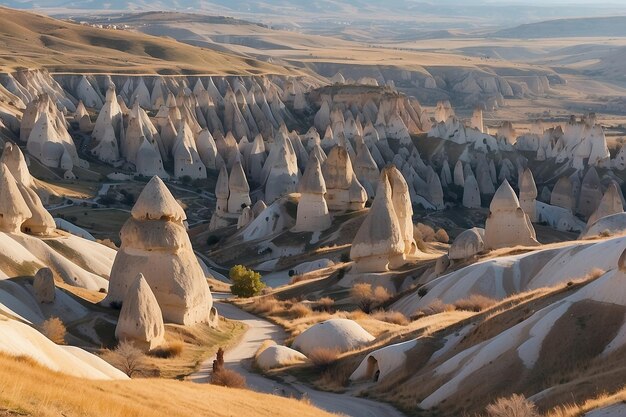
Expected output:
{"points": [[239, 358]]}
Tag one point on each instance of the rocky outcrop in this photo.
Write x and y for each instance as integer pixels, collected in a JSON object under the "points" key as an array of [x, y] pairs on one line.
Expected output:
{"points": [[380, 238], [140, 321], [155, 243], [507, 225], [312, 215]]}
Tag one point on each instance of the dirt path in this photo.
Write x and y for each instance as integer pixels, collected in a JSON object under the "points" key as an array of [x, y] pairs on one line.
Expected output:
{"points": [[239, 358]]}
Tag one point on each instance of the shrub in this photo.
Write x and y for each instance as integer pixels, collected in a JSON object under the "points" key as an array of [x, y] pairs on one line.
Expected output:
{"points": [[127, 358], [172, 350], [345, 257], [212, 240], [393, 317], [423, 232], [246, 282], [223, 376], [422, 291], [513, 406], [55, 330], [300, 310], [228, 378], [381, 295], [363, 296], [129, 199], [442, 236], [322, 358], [106, 200], [475, 302], [325, 304]]}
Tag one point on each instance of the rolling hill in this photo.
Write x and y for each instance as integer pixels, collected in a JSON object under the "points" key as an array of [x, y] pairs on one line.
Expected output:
{"points": [[566, 28], [32, 40]]}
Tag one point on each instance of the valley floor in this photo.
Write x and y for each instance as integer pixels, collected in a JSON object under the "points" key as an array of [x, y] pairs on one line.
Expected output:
{"points": [[240, 357]]}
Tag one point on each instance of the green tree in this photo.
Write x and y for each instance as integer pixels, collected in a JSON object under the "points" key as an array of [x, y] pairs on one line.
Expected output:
{"points": [[246, 282]]}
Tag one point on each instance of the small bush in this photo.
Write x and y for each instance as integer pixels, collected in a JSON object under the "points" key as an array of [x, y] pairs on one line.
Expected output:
{"points": [[55, 330], [246, 282], [325, 304], [345, 257], [422, 291], [442, 236], [475, 302], [322, 358], [513, 406], [363, 296], [127, 358], [129, 199], [381, 295], [300, 310], [393, 317], [172, 350], [228, 378], [423, 232]]}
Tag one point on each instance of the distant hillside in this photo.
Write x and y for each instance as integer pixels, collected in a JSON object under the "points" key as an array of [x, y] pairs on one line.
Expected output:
{"points": [[585, 27], [32, 40]]}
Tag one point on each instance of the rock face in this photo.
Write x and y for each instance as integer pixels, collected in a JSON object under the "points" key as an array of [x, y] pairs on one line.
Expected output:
{"points": [[590, 193], [380, 237], [611, 203], [507, 225], [528, 195], [140, 320], [471, 193], [404, 210], [343, 191], [155, 243], [337, 334], [43, 286], [562, 194], [239, 189], [41, 222], [13, 209], [313, 215], [467, 244]]}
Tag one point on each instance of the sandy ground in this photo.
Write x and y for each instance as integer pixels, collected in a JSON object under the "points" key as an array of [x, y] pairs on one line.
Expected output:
{"points": [[239, 358]]}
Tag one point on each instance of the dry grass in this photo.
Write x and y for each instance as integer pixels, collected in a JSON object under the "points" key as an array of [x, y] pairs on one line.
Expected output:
{"points": [[513, 406], [322, 358], [435, 307], [24, 393], [55, 330], [475, 302], [171, 350], [393, 317], [300, 310], [367, 297], [577, 410], [128, 359], [325, 304], [264, 305], [228, 378], [199, 343]]}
